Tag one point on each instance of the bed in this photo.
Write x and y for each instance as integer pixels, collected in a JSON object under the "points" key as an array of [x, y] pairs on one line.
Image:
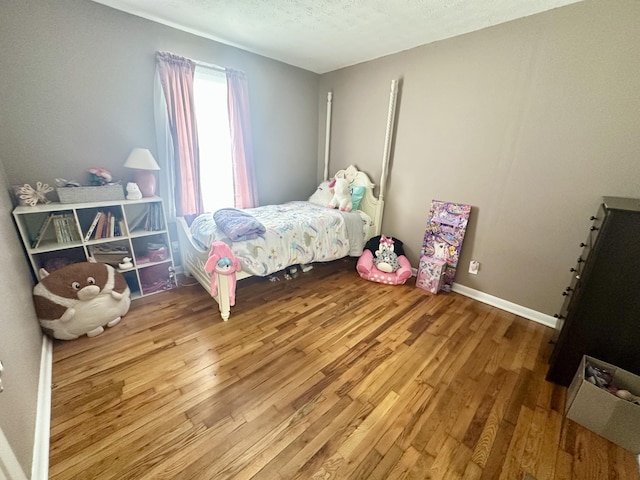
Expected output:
{"points": [[299, 232]]}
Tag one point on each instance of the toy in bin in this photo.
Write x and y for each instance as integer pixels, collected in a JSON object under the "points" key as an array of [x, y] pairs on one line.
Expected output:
{"points": [[603, 379], [157, 252]]}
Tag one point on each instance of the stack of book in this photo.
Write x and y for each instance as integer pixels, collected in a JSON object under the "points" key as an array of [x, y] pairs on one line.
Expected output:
{"points": [[150, 219], [64, 225], [105, 224]]}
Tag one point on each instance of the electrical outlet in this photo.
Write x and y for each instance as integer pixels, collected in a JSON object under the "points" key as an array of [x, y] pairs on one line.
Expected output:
{"points": [[474, 266]]}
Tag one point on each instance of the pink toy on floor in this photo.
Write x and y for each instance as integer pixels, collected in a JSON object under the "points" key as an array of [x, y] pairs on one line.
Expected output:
{"points": [[222, 261], [383, 261]]}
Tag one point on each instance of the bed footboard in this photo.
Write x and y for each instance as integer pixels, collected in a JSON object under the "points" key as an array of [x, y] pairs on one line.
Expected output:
{"points": [[193, 261]]}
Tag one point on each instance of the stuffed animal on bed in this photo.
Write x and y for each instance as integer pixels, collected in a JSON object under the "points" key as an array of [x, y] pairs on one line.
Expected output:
{"points": [[222, 261], [81, 298], [341, 194]]}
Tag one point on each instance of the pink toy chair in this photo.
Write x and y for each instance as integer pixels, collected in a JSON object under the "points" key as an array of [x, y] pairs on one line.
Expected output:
{"points": [[367, 269]]}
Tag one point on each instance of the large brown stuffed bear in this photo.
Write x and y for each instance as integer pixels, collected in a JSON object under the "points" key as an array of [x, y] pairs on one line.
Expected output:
{"points": [[79, 299]]}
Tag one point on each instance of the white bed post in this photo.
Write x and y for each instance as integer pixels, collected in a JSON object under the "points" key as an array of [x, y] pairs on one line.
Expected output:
{"points": [[391, 116], [327, 141], [224, 301]]}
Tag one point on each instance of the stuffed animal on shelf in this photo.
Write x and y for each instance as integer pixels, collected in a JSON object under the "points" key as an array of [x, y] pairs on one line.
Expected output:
{"points": [[133, 191], [222, 261], [341, 195], [81, 298]]}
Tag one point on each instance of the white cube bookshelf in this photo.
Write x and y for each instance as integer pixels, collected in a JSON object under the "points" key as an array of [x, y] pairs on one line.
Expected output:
{"points": [[138, 230]]}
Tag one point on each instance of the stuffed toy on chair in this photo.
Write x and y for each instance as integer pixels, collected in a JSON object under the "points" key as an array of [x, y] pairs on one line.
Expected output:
{"points": [[81, 298], [341, 194], [383, 261], [222, 261], [385, 258]]}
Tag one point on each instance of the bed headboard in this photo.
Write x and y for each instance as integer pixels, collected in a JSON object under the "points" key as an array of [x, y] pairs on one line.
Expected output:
{"points": [[370, 204]]}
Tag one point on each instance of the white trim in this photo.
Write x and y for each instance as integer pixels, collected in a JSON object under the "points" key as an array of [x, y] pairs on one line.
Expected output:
{"points": [[40, 464], [505, 305], [9, 466]]}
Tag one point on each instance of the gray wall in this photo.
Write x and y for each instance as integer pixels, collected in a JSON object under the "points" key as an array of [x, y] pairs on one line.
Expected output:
{"points": [[20, 339], [77, 79], [530, 122]]}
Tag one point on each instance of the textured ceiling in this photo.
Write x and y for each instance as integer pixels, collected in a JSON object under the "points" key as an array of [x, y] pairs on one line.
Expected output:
{"points": [[324, 35]]}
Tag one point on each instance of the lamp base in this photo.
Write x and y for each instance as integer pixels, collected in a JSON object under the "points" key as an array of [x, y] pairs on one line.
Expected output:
{"points": [[146, 181]]}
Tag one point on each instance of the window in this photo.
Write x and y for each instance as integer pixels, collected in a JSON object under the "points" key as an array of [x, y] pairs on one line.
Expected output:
{"points": [[212, 117]]}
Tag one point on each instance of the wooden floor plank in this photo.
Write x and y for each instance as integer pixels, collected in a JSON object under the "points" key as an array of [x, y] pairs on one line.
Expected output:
{"points": [[323, 376]]}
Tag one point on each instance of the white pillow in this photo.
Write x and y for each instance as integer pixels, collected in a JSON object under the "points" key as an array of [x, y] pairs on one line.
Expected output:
{"points": [[322, 195]]}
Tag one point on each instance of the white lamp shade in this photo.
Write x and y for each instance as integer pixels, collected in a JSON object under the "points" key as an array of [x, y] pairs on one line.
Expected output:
{"points": [[141, 159]]}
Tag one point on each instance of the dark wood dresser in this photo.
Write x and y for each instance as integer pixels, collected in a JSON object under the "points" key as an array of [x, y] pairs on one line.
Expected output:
{"points": [[600, 316]]}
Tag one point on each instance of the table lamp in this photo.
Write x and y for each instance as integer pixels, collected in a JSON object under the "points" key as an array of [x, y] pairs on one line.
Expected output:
{"points": [[143, 165]]}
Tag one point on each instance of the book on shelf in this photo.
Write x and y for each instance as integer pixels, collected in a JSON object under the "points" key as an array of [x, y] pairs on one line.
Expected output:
{"points": [[43, 229], [100, 227], [93, 226], [61, 227], [69, 228], [119, 228], [137, 221], [153, 220], [105, 226]]}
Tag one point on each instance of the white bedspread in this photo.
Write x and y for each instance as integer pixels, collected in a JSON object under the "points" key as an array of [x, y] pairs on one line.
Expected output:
{"points": [[296, 232]]}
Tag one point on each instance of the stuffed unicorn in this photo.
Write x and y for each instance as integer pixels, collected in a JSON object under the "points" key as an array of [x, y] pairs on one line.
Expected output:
{"points": [[341, 194]]}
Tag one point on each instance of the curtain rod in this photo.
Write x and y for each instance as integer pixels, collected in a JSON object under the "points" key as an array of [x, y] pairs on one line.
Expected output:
{"points": [[197, 62], [210, 65]]}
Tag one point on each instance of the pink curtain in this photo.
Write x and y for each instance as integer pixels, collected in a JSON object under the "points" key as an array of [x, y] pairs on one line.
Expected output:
{"points": [[176, 76], [244, 181]]}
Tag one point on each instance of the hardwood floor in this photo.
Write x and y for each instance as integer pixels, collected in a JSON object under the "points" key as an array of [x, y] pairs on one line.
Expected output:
{"points": [[323, 376]]}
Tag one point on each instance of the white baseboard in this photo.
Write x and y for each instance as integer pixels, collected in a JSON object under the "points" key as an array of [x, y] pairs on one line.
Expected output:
{"points": [[40, 464], [505, 305]]}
